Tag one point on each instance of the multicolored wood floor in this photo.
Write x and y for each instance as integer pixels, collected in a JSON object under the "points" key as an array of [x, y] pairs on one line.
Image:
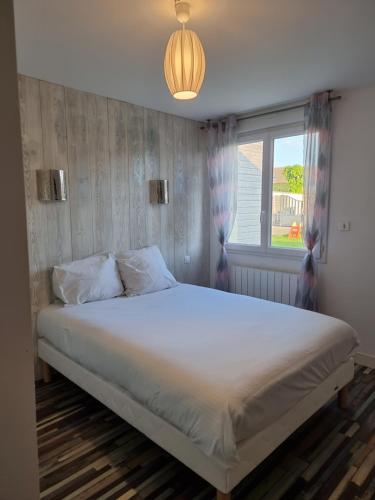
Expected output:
{"points": [[87, 452]]}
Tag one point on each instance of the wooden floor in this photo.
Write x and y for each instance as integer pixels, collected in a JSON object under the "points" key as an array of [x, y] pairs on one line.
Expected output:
{"points": [[87, 452]]}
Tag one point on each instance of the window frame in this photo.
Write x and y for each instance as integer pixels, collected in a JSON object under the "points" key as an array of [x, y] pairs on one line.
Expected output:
{"points": [[268, 135]]}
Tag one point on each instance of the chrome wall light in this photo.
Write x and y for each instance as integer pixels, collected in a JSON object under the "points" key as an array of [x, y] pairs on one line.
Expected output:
{"points": [[51, 185], [159, 192]]}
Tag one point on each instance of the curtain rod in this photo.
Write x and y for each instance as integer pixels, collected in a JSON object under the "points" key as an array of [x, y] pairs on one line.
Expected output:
{"points": [[277, 110]]}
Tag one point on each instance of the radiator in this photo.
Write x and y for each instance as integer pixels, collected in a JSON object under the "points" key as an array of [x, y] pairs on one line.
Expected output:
{"points": [[276, 286]]}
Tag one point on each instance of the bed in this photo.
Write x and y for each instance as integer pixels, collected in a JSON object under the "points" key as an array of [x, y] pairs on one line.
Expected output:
{"points": [[216, 379]]}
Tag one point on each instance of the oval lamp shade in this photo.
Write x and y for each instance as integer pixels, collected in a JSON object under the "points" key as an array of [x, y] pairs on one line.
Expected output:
{"points": [[184, 64]]}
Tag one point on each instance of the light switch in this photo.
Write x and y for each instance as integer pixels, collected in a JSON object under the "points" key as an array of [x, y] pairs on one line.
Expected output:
{"points": [[187, 259]]}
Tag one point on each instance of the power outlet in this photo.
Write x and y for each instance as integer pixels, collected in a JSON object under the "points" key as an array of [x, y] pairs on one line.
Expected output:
{"points": [[344, 226], [187, 259]]}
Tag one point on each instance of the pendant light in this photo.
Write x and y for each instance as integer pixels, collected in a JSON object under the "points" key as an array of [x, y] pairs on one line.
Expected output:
{"points": [[184, 61]]}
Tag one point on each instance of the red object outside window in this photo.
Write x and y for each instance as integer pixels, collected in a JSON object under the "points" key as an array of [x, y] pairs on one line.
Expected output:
{"points": [[295, 232]]}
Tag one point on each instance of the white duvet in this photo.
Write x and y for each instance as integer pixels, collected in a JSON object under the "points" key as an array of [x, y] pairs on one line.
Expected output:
{"points": [[219, 367]]}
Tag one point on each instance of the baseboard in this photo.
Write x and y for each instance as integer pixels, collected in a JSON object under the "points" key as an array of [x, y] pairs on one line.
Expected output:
{"points": [[365, 359]]}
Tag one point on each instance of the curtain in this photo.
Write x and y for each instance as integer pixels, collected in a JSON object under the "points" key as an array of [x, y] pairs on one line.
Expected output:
{"points": [[222, 175], [317, 151]]}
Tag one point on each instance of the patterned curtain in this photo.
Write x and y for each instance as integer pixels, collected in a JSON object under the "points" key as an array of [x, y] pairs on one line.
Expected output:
{"points": [[222, 175], [317, 151]]}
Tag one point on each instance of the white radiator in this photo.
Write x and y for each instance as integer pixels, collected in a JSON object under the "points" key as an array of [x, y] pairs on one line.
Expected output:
{"points": [[264, 284]]}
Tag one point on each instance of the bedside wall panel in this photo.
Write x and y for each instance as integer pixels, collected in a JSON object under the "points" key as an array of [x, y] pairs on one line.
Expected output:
{"points": [[110, 150]]}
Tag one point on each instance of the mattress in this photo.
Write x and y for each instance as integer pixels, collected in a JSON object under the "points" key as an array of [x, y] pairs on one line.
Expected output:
{"points": [[219, 367]]}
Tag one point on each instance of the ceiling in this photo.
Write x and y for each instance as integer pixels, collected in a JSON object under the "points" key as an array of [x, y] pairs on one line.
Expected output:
{"points": [[259, 52]]}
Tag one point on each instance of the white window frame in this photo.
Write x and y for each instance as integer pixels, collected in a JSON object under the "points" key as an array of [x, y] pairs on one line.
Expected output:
{"points": [[267, 136]]}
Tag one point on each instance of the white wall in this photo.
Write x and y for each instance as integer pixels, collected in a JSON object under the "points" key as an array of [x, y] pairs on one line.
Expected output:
{"points": [[18, 455], [347, 279]]}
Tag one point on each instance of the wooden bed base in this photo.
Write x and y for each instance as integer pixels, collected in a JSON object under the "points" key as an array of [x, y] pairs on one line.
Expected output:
{"points": [[342, 396], [46, 372], [47, 377], [223, 496]]}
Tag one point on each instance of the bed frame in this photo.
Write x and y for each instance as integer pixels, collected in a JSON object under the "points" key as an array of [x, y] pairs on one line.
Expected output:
{"points": [[251, 452]]}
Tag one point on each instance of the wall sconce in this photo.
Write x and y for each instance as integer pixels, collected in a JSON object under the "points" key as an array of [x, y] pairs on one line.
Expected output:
{"points": [[159, 192], [51, 185]]}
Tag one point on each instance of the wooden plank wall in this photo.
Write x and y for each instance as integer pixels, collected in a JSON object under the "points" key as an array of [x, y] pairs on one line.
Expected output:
{"points": [[110, 149]]}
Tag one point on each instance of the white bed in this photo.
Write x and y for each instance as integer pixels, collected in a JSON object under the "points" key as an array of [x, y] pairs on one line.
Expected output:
{"points": [[218, 380]]}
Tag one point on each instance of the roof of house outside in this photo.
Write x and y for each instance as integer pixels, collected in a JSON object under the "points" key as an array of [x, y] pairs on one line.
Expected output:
{"points": [[279, 176]]}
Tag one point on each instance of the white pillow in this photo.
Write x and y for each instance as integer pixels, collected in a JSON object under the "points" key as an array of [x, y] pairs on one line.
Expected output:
{"points": [[87, 280], [144, 271]]}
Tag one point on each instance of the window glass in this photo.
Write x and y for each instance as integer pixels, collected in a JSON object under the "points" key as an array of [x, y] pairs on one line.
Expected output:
{"points": [[247, 227], [287, 192]]}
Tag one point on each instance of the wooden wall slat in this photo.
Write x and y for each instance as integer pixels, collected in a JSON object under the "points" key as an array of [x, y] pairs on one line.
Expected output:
{"points": [[37, 213], [100, 172], [167, 172], [137, 179], [55, 154], [152, 171], [81, 202], [119, 161]]}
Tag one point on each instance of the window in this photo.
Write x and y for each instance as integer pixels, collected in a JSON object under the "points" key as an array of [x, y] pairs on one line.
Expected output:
{"points": [[287, 192], [270, 192]]}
